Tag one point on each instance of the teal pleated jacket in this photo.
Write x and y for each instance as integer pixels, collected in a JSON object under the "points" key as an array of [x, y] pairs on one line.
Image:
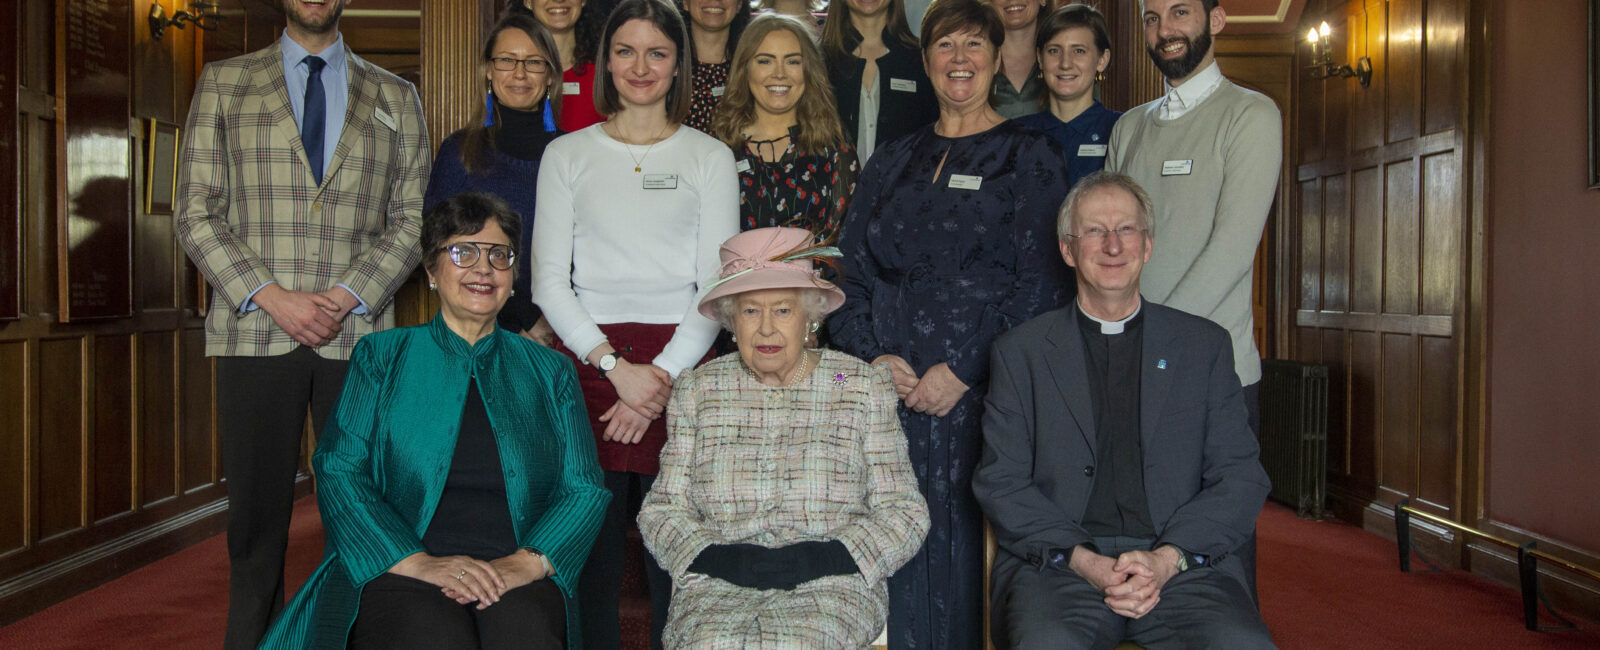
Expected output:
{"points": [[382, 460]]}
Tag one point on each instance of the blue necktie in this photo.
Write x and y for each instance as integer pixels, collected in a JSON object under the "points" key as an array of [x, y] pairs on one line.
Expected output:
{"points": [[316, 116]]}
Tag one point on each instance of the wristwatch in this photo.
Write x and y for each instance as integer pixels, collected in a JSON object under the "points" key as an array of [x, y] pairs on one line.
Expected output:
{"points": [[607, 364], [1187, 560]]}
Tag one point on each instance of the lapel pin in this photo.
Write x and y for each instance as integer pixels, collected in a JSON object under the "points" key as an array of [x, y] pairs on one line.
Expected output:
{"points": [[1161, 365], [839, 379]]}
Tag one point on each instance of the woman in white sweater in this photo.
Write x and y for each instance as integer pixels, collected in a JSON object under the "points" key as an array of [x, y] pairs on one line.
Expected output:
{"points": [[630, 216]]}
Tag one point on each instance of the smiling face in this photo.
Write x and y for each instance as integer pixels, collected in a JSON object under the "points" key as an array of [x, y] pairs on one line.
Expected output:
{"points": [[1018, 14], [556, 15], [863, 8], [519, 88], [477, 292], [642, 62], [1107, 267], [313, 16], [1070, 61], [962, 66], [1177, 35], [711, 15], [770, 326], [777, 73]]}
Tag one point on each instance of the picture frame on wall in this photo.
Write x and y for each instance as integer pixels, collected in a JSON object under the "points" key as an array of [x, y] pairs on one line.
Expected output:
{"points": [[161, 167]]}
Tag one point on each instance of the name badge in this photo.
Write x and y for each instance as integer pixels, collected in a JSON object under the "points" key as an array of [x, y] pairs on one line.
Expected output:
{"points": [[903, 85], [1092, 150], [660, 181], [965, 182], [743, 165], [570, 88], [716, 91], [385, 119], [1177, 167]]}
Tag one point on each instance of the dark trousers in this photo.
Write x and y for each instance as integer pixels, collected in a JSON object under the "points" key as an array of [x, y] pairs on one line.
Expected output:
{"points": [[600, 586], [400, 613], [1200, 608], [1247, 550], [261, 412]]}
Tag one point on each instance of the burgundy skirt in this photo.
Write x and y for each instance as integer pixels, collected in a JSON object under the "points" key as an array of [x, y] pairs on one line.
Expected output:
{"points": [[638, 343]]}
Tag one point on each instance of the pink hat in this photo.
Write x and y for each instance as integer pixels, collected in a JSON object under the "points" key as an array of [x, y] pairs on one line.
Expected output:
{"points": [[771, 258]]}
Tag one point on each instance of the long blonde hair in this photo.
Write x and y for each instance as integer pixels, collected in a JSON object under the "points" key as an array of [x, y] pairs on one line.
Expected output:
{"points": [[816, 113]]}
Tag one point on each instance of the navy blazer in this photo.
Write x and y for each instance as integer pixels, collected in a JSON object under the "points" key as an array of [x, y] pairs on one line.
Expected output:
{"points": [[1203, 477], [899, 111]]}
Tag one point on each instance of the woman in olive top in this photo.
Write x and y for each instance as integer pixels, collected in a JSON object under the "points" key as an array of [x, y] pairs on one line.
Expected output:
{"points": [[577, 35], [876, 70], [457, 481], [1017, 87]]}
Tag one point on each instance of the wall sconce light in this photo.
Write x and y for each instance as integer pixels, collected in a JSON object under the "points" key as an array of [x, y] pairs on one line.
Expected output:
{"points": [[1322, 65], [205, 16]]}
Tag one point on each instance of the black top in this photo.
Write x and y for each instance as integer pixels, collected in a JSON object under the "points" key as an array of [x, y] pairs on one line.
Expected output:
{"points": [[1117, 503], [524, 134], [473, 517], [899, 111]]}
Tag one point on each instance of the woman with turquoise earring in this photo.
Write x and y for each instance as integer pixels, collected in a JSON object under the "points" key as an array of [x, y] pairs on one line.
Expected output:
{"points": [[499, 151]]}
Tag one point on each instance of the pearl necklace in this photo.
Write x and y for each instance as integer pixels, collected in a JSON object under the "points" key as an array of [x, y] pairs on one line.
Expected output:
{"points": [[794, 377]]}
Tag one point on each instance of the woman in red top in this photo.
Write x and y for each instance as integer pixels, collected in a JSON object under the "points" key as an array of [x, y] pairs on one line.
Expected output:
{"points": [[577, 35]]}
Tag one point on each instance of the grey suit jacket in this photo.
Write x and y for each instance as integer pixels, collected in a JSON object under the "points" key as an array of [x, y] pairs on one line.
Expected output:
{"points": [[1203, 479], [250, 212]]}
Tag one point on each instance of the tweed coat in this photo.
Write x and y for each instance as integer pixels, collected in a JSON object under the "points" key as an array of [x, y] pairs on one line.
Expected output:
{"points": [[384, 456], [749, 463], [249, 210]]}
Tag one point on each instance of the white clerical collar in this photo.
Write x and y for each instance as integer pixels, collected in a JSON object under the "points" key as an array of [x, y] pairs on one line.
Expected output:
{"points": [[1111, 326]]}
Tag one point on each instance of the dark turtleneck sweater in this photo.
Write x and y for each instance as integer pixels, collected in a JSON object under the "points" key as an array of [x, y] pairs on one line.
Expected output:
{"points": [[513, 175]]}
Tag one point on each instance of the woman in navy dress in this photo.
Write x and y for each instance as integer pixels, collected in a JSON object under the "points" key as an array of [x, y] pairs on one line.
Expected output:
{"points": [[950, 240], [1074, 47]]}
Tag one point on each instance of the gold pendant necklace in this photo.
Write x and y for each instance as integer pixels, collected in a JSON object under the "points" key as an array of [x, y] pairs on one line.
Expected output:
{"points": [[638, 161]]}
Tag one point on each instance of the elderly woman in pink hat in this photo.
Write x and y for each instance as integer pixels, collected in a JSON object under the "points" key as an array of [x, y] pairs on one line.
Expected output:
{"points": [[785, 497]]}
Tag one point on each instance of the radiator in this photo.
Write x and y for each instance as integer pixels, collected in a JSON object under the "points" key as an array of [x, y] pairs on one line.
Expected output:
{"points": [[1294, 433]]}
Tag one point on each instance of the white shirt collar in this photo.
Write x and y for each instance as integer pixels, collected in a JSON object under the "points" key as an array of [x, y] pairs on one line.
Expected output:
{"points": [[1185, 98], [1109, 326]]}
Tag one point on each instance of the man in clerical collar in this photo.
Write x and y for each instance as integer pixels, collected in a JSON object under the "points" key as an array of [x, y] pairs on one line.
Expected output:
{"points": [[1119, 472]]}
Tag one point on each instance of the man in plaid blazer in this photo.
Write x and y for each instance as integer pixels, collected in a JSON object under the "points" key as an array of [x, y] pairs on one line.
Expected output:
{"points": [[301, 183]]}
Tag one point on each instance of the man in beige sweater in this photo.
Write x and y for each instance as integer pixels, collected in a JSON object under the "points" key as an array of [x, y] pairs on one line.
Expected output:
{"points": [[1209, 153]]}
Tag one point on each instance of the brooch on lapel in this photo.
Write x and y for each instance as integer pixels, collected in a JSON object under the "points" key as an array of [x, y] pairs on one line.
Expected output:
{"points": [[839, 379]]}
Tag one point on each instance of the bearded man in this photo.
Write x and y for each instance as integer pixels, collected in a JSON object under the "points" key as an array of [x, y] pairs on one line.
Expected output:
{"points": [[300, 183], [1209, 153]]}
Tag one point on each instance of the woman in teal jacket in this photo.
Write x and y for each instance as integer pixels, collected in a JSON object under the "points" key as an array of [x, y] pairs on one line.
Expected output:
{"points": [[457, 480]]}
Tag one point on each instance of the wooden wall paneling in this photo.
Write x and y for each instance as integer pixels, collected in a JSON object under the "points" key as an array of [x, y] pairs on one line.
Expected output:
{"points": [[60, 480], [1368, 107], [1336, 273], [1403, 81], [1444, 61], [1400, 248], [1397, 419], [1310, 235], [1442, 236], [158, 399], [1366, 245], [111, 449], [15, 468], [1438, 473], [201, 463], [1362, 428], [1333, 350], [10, 209]]}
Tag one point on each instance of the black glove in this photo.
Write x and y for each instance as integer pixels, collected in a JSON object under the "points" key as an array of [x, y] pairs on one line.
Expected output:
{"points": [[759, 567]]}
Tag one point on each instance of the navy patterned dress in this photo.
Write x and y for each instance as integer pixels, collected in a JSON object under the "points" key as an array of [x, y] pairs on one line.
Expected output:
{"points": [[934, 269]]}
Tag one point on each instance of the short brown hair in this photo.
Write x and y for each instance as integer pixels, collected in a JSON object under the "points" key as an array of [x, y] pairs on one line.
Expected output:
{"points": [[948, 17], [665, 18], [1076, 14]]}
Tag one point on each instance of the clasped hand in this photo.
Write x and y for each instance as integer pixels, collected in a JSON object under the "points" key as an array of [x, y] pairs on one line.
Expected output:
{"points": [[1131, 582], [642, 394], [934, 393], [467, 580], [311, 318]]}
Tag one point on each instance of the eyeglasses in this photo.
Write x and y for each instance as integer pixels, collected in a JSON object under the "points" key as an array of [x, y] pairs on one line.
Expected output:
{"points": [[465, 254], [532, 66], [1096, 235]]}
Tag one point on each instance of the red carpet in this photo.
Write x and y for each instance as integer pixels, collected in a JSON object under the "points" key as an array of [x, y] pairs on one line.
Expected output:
{"points": [[1323, 585]]}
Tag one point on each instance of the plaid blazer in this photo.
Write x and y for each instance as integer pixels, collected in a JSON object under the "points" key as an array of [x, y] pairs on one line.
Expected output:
{"points": [[250, 212]]}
